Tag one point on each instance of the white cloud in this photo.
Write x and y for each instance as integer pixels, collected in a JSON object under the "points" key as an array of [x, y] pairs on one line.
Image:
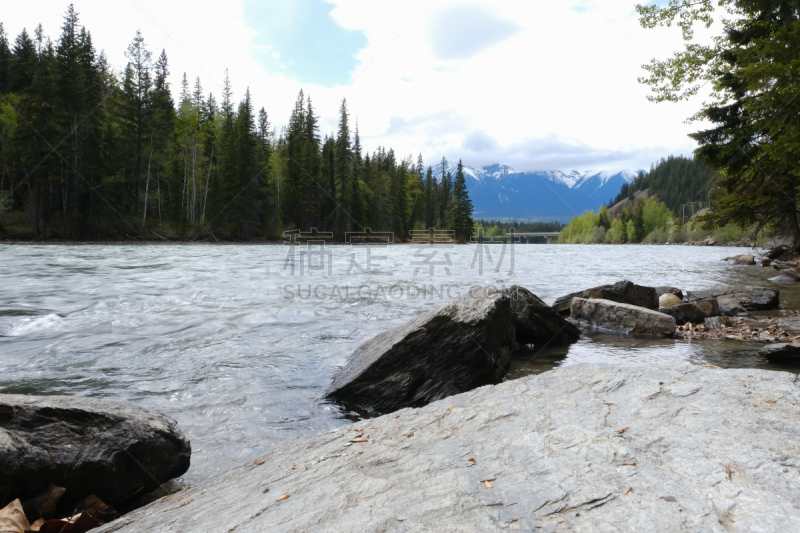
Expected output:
{"points": [[557, 78]]}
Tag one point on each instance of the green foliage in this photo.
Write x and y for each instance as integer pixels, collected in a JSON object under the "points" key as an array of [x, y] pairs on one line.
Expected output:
{"points": [[753, 71], [633, 224], [655, 215], [132, 162]]}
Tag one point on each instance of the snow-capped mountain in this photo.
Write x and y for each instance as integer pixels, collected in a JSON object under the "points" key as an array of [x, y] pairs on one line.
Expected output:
{"points": [[500, 192]]}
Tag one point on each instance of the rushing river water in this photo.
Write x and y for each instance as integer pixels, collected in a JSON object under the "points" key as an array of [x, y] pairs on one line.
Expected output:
{"points": [[221, 339]]}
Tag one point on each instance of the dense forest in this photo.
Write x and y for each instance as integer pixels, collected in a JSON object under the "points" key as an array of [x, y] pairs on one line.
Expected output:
{"points": [[87, 152], [674, 180]]}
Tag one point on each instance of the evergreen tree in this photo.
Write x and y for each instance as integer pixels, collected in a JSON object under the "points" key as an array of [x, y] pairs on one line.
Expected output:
{"points": [[462, 211], [343, 157]]}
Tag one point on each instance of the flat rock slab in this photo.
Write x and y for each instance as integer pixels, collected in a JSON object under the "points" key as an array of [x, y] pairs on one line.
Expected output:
{"points": [[695, 448], [786, 353], [88, 446], [613, 317]]}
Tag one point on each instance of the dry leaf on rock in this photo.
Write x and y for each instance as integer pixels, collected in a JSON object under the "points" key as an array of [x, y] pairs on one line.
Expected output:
{"points": [[79, 523], [627, 464], [12, 518], [628, 490], [489, 484], [97, 508], [257, 463], [360, 440], [471, 459], [623, 430], [284, 497]]}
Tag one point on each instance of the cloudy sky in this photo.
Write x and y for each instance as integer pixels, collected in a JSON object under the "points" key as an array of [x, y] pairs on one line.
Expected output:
{"points": [[535, 85]]}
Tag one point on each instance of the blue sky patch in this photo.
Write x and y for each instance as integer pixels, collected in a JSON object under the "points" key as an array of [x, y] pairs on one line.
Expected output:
{"points": [[301, 39]]}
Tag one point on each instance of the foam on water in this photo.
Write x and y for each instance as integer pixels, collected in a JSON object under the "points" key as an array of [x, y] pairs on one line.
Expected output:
{"points": [[29, 325]]}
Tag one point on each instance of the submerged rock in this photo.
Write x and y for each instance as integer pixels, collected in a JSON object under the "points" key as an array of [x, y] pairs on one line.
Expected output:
{"points": [[110, 449], [616, 317], [669, 447], [737, 300], [536, 322], [622, 292], [695, 312], [669, 300], [782, 353], [459, 346]]}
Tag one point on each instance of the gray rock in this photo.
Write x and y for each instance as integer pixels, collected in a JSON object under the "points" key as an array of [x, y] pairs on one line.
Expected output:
{"points": [[459, 346], [550, 445], [695, 312], [616, 317], [623, 292], [668, 300], [536, 322], [736, 301], [784, 353], [661, 291], [88, 446], [744, 259]]}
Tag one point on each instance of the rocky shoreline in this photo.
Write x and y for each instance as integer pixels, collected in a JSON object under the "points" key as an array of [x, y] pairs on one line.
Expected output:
{"points": [[683, 447], [447, 367]]}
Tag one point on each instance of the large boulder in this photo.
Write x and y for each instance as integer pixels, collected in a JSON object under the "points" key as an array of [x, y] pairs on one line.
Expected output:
{"points": [[784, 353], [459, 346], [614, 317], [695, 312], [738, 300], [666, 447], [623, 292], [88, 446], [536, 322]]}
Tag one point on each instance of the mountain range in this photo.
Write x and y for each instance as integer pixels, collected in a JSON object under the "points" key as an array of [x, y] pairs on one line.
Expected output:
{"points": [[500, 192]]}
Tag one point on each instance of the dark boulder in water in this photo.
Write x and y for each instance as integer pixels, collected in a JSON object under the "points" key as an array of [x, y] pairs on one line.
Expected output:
{"points": [[109, 449]]}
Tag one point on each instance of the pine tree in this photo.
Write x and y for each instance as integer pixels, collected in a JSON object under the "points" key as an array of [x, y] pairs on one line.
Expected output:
{"points": [[344, 161], [462, 206]]}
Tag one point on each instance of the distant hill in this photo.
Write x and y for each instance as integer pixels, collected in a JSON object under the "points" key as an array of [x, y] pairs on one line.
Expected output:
{"points": [[500, 192], [674, 181]]}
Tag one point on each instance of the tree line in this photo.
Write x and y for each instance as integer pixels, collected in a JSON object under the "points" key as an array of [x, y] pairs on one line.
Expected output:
{"points": [[674, 180], [90, 153]]}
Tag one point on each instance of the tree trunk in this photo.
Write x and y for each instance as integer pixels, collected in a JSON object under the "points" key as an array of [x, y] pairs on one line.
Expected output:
{"points": [[794, 228]]}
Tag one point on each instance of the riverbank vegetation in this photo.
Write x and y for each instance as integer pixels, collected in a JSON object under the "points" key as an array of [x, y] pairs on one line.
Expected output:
{"points": [[650, 221], [89, 152]]}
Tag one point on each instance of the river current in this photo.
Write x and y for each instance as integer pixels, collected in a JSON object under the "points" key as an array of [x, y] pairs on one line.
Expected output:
{"points": [[238, 342]]}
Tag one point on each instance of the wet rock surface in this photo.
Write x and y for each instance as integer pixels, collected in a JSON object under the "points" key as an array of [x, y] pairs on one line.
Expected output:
{"points": [[536, 322], [677, 447], [613, 317], [621, 292], [784, 353], [88, 446], [459, 346]]}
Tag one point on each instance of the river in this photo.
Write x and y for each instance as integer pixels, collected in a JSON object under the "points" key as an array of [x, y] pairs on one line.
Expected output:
{"points": [[238, 343]]}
